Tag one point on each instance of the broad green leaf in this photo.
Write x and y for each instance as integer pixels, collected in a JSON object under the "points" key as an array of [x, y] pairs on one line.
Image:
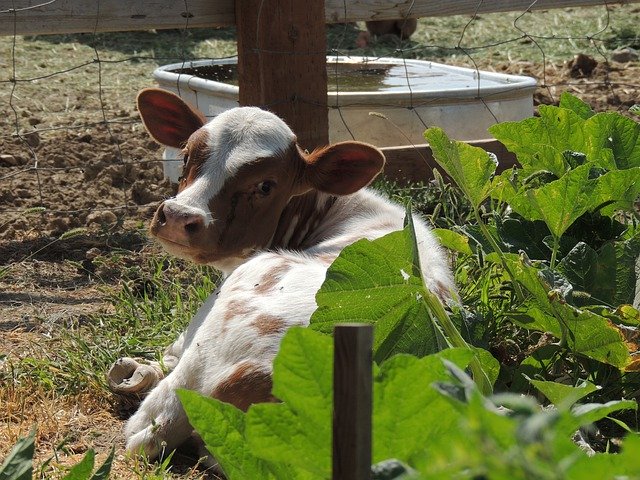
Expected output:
{"points": [[505, 186], [222, 427], [19, 463], [303, 377], [453, 240], [589, 334], [563, 396], [592, 272], [489, 364], [470, 167], [373, 282], [573, 103], [407, 411], [298, 431], [558, 203], [539, 142], [628, 315], [82, 470], [607, 275], [592, 412], [518, 234], [276, 434], [616, 133], [618, 189]]}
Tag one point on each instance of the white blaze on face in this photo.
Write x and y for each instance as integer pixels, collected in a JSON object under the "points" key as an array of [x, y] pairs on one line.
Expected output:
{"points": [[235, 137]]}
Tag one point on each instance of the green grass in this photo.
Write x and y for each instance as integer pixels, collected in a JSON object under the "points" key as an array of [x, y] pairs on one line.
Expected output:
{"points": [[554, 35], [153, 304]]}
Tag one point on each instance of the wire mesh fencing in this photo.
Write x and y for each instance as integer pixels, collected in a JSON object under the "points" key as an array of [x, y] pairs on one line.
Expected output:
{"points": [[74, 155]]}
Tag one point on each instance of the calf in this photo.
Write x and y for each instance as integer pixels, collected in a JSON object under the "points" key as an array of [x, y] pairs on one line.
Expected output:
{"points": [[272, 218]]}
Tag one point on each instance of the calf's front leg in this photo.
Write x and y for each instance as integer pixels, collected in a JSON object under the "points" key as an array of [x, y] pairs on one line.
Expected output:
{"points": [[128, 376]]}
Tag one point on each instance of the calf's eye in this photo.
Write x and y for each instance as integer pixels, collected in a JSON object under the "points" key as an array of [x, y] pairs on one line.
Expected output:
{"points": [[265, 187]]}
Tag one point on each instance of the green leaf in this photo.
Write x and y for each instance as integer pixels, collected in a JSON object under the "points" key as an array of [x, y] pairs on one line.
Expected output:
{"points": [[453, 240], [103, 472], [82, 470], [303, 377], [577, 106], [618, 189], [589, 334], [592, 272], [558, 203], [539, 142], [470, 167], [221, 426], [518, 234], [489, 364], [607, 275], [592, 412], [373, 282], [19, 463], [276, 434], [298, 431], [563, 396], [616, 133], [407, 411]]}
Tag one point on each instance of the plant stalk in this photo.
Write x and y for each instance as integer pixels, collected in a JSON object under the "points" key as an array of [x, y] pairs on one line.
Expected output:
{"points": [[498, 250]]}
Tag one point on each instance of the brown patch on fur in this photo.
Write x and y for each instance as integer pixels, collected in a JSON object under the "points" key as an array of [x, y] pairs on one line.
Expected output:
{"points": [[248, 384], [270, 280], [197, 150], [235, 308], [269, 324], [442, 292], [309, 216]]}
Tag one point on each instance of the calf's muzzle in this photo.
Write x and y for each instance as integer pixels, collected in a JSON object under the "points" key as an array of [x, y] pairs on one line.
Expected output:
{"points": [[177, 224]]}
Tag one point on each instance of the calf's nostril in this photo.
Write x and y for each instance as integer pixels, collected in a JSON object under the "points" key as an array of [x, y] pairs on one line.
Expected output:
{"points": [[193, 226], [162, 219]]}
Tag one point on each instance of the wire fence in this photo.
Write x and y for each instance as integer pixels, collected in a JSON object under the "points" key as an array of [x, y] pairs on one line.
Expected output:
{"points": [[73, 153]]}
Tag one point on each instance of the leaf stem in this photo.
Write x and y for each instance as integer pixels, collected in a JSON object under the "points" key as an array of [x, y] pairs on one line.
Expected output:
{"points": [[496, 248], [454, 337]]}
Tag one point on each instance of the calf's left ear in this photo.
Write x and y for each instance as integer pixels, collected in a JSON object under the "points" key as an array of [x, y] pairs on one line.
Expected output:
{"points": [[343, 168]]}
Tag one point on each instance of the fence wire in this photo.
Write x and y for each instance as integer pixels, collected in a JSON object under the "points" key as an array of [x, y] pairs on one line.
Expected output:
{"points": [[73, 153]]}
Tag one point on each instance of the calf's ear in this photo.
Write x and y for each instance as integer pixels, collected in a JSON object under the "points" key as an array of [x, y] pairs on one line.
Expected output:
{"points": [[167, 118], [343, 168]]}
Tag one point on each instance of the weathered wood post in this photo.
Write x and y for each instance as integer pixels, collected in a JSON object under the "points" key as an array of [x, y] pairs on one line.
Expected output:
{"points": [[282, 63], [352, 401]]}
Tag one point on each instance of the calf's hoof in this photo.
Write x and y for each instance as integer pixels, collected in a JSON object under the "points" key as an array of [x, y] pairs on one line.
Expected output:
{"points": [[127, 376]]}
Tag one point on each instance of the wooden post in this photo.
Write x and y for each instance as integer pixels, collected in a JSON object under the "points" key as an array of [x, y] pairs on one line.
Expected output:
{"points": [[282, 63], [352, 401]]}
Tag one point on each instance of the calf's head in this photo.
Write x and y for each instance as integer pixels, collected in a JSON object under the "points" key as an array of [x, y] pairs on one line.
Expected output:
{"points": [[240, 171]]}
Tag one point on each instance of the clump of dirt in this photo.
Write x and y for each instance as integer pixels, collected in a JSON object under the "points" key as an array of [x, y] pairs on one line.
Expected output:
{"points": [[606, 86], [68, 179]]}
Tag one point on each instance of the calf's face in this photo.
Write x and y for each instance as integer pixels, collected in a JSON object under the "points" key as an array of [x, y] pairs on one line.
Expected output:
{"points": [[241, 169]]}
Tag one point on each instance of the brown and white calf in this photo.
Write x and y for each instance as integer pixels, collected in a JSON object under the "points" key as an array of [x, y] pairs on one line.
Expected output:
{"points": [[272, 218]]}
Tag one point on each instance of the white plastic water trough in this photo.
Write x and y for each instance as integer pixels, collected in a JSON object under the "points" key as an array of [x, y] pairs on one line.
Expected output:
{"points": [[410, 95]]}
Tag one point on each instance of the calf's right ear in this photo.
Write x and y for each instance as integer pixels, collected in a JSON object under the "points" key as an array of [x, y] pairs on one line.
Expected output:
{"points": [[167, 118], [343, 168]]}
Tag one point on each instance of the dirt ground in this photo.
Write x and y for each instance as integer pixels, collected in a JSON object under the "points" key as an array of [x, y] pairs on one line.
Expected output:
{"points": [[92, 183]]}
